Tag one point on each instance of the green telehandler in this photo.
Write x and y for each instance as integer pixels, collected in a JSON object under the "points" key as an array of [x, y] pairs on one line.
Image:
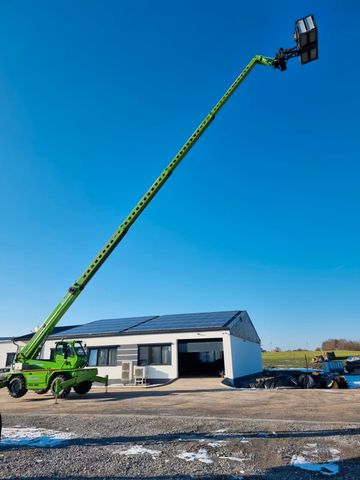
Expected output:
{"points": [[68, 369]]}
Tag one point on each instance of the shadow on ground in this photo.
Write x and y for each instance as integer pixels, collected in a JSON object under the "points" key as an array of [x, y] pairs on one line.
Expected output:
{"points": [[190, 437], [348, 469], [124, 395]]}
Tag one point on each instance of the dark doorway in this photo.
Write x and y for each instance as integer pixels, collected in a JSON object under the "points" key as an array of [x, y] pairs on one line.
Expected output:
{"points": [[203, 358]]}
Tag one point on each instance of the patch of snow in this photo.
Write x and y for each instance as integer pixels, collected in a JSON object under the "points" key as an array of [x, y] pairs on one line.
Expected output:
{"points": [[327, 469], [192, 438], [353, 381], [219, 443], [310, 453], [312, 450], [234, 459], [32, 437], [307, 460], [201, 456], [137, 450], [335, 454]]}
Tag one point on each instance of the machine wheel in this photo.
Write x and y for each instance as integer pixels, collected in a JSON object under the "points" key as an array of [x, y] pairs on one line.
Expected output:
{"points": [[63, 393], [83, 387], [41, 392], [16, 386]]}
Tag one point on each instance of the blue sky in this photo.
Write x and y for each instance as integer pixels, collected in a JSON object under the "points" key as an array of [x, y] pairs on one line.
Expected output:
{"points": [[263, 214]]}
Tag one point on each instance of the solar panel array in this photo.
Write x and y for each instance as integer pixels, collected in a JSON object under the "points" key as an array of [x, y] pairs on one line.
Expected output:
{"points": [[162, 323], [185, 321], [107, 326]]}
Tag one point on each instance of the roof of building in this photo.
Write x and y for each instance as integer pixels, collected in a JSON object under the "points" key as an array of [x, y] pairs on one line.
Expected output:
{"points": [[110, 326], [182, 322], [56, 331], [186, 322]]}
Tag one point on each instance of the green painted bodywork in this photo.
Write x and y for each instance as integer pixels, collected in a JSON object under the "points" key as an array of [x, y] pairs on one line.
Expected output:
{"points": [[68, 355], [29, 353], [69, 361], [41, 379]]}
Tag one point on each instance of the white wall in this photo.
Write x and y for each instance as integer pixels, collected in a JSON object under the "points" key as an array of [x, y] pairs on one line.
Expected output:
{"points": [[5, 348], [241, 357], [228, 361], [245, 357], [152, 371]]}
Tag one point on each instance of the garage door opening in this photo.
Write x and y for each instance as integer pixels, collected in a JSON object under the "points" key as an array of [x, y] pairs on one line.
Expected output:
{"points": [[201, 358]]}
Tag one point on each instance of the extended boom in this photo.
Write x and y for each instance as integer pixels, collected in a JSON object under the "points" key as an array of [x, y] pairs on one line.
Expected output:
{"points": [[68, 366], [32, 349]]}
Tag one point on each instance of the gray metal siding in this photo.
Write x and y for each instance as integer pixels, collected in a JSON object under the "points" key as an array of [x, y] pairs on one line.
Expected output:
{"points": [[126, 353]]}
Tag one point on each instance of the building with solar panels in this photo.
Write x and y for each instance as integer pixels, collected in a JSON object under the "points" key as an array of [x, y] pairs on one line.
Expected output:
{"points": [[167, 346]]}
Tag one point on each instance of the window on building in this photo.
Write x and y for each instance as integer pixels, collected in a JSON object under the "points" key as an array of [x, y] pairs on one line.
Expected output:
{"points": [[154, 355], [102, 356], [10, 357]]}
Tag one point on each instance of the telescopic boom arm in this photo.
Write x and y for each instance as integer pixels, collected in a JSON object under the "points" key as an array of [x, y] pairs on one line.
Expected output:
{"points": [[306, 47], [32, 349]]}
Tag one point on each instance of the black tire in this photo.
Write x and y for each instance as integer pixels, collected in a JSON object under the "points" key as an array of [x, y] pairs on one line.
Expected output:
{"points": [[16, 386], [41, 392], [63, 393], [83, 387]]}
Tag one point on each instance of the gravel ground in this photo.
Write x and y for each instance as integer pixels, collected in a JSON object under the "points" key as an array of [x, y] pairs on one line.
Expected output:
{"points": [[205, 431], [153, 447]]}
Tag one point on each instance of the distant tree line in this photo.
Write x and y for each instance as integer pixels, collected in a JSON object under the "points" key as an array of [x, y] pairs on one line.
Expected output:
{"points": [[340, 344]]}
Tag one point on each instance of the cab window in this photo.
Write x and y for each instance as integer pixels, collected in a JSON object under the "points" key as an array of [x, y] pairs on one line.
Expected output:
{"points": [[79, 349], [64, 349]]}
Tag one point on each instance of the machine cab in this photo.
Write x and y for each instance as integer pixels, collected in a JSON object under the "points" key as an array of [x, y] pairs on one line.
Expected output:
{"points": [[70, 353]]}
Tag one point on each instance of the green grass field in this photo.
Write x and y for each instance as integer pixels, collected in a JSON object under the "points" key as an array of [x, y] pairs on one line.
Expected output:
{"points": [[297, 359]]}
